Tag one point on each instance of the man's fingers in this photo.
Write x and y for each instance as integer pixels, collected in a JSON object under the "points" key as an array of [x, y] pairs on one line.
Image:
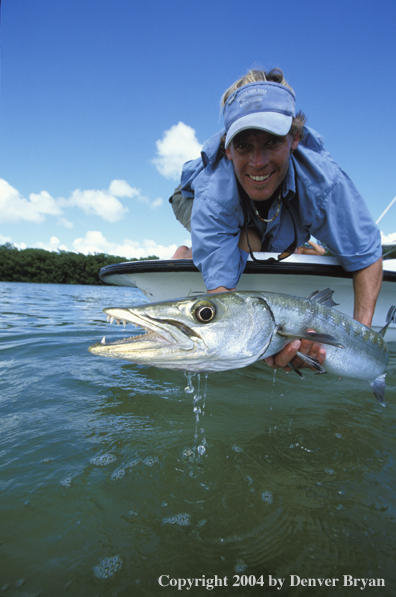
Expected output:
{"points": [[288, 355], [312, 349], [283, 358]]}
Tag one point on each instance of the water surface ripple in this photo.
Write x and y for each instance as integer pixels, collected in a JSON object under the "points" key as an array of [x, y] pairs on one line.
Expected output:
{"points": [[102, 489]]}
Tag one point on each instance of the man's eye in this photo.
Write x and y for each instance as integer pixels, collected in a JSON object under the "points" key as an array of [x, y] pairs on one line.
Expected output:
{"points": [[241, 146], [274, 142]]}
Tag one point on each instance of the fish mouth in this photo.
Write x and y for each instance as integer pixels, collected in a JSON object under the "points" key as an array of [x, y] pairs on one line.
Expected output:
{"points": [[157, 333]]}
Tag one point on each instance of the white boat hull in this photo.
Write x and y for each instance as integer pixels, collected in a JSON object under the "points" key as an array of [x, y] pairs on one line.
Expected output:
{"points": [[299, 275]]}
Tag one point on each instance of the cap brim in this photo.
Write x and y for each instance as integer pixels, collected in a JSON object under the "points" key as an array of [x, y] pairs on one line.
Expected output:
{"points": [[271, 122]]}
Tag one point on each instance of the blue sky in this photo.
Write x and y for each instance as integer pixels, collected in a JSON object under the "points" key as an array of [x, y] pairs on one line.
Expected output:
{"points": [[101, 102]]}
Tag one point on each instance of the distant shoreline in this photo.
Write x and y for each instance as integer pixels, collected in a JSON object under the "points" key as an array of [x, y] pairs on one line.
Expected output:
{"points": [[47, 267]]}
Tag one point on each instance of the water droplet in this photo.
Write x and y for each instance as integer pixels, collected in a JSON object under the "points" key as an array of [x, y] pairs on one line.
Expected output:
{"points": [[189, 389]]}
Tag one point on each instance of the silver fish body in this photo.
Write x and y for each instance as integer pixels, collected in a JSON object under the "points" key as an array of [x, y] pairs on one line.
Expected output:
{"points": [[229, 330]]}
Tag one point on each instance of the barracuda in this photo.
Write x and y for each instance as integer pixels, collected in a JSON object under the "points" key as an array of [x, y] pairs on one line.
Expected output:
{"points": [[216, 332]]}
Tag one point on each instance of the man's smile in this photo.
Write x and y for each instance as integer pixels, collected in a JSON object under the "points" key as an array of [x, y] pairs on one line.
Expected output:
{"points": [[259, 178]]}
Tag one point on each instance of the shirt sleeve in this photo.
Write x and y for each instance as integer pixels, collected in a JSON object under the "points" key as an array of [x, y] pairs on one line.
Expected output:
{"points": [[345, 225], [215, 237]]}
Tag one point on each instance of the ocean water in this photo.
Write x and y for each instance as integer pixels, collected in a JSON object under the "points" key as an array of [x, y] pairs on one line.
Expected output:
{"points": [[111, 484]]}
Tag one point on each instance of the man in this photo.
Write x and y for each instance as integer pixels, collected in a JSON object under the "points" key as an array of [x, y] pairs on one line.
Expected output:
{"points": [[267, 183]]}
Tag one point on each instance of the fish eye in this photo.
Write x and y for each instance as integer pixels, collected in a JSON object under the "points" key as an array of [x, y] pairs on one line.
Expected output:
{"points": [[204, 311]]}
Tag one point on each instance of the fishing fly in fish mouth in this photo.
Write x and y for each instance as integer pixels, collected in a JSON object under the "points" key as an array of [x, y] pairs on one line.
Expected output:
{"points": [[229, 330]]}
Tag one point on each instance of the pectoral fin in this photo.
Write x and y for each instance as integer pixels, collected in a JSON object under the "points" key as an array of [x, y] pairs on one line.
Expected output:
{"points": [[311, 361], [312, 336], [293, 368]]}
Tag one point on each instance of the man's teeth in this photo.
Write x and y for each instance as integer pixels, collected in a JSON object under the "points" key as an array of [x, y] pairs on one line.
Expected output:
{"points": [[259, 178]]}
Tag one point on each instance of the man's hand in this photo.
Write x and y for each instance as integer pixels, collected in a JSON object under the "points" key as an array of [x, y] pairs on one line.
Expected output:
{"points": [[220, 289], [282, 359]]}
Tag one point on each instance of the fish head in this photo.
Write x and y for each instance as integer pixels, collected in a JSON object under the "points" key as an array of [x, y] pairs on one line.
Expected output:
{"points": [[213, 332]]}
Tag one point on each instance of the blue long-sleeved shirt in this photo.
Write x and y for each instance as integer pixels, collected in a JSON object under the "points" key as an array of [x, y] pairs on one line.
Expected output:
{"points": [[322, 201]]}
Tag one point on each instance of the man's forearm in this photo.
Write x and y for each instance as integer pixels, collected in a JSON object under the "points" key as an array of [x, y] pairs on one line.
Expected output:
{"points": [[366, 286]]}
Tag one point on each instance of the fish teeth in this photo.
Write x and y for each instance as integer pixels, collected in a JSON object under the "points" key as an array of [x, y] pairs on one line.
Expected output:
{"points": [[111, 319], [103, 340], [108, 318]]}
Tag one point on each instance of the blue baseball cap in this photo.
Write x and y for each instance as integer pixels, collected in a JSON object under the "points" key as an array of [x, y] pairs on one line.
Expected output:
{"points": [[262, 105]]}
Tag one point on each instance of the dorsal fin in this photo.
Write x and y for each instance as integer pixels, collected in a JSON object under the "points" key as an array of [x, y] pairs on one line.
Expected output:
{"points": [[390, 318], [324, 297]]}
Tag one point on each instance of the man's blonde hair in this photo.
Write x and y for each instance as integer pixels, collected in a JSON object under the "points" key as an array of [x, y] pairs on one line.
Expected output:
{"points": [[276, 76]]}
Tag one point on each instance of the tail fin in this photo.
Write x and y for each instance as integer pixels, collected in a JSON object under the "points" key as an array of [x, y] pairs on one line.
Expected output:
{"points": [[378, 387], [390, 318]]}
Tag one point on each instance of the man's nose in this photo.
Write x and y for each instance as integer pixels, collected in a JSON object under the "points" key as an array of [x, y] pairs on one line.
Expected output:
{"points": [[260, 158]]}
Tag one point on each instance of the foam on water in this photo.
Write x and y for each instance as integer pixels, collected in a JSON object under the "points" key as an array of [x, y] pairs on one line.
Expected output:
{"points": [[103, 459], [108, 567], [150, 460], [267, 497], [181, 520], [117, 475]]}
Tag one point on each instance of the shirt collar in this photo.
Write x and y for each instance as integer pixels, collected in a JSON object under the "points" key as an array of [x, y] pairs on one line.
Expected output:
{"points": [[289, 182], [210, 149]]}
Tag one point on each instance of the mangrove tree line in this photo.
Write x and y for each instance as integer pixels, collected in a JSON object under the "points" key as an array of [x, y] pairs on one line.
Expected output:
{"points": [[63, 267]]}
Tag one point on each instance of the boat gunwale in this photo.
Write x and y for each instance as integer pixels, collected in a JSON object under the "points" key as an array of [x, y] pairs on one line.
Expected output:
{"points": [[252, 267]]}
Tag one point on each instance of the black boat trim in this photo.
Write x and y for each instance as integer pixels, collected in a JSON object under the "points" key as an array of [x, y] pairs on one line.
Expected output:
{"points": [[252, 267]]}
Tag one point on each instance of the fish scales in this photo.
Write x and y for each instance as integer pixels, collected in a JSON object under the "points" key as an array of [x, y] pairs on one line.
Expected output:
{"points": [[365, 351]]}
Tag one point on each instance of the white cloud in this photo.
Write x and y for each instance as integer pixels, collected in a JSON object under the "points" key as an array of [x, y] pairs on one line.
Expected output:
{"points": [[5, 239], [120, 188], [45, 204], [95, 242], [388, 239], [156, 203], [53, 245], [100, 203], [103, 203], [20, 246], [14, 207], [178, 145], [66, 223]]}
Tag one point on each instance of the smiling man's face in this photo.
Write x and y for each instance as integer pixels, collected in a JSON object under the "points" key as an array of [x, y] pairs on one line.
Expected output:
{"points": [[261, 161]]}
